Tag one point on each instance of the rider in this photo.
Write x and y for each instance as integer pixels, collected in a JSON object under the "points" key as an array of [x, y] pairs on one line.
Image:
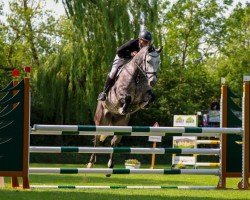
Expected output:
{"points": [[123, 54]]}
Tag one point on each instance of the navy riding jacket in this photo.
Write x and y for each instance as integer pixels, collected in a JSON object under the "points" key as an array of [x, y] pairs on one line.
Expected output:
{"points": [[126, 49]]}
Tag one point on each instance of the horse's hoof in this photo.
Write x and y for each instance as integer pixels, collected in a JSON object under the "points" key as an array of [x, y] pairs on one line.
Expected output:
{"points": [[108, 175], [102, 139], [144, 105], [90, 165]]}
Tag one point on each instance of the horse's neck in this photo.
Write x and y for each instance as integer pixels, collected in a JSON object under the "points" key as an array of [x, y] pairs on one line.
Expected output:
{"points": [[131, 70], [136, 62]]}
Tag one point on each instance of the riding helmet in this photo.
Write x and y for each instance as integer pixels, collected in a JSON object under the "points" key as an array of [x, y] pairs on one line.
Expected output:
{"points": [[145, 35]]}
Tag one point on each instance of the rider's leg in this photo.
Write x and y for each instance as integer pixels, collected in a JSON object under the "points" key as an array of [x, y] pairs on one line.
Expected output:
{"points": [[110, 79], [109, 83]]}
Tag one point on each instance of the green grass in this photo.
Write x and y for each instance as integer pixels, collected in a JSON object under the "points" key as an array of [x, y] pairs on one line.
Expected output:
{"points": [[121, 194]]}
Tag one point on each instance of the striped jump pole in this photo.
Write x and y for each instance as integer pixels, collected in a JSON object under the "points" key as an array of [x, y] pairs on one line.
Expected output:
{"points": [[128, 150], [208, 142], [206, 164], [121, 171], [121, 187], [132, 130], [83, 133]]}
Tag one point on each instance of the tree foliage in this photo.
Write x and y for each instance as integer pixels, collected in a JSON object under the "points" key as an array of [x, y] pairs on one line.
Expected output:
{"points": [[185, 86], [234, 59], [71, 56], [29, 33], [85, 59]]}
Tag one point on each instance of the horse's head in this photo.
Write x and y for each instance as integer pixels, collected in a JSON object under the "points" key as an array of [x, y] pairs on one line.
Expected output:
{"points": [[150, 64]]}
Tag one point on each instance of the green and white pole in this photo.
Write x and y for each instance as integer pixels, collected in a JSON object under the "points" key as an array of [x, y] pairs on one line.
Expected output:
{"points": [[128, 150], [130, 130], [122, 171], [121, 187]]}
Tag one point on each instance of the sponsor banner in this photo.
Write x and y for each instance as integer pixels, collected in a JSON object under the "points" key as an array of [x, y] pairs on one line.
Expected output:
{"points": [[183, 142], [214, 116], [154, 138], [186, 120], [185, 160]]}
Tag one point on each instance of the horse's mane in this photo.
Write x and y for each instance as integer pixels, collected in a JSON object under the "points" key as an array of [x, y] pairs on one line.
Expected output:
{"points": [[141, 54], [142, 51]]}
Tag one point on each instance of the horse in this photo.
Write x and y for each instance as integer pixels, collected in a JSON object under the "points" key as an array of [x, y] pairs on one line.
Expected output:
{"points": [[131, 92]]}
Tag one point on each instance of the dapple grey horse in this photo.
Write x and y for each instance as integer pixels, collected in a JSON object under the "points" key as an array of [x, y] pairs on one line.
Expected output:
{"points": [[132, 91]]}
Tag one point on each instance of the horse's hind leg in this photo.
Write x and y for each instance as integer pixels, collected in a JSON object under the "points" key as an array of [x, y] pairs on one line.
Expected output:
{"points": [[100, 119], [114, 142]]}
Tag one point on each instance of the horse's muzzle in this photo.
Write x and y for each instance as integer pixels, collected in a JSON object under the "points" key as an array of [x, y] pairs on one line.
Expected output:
{"points": [[152, 82]]}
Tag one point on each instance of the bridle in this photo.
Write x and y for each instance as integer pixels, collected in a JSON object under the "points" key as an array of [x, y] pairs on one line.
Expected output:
{"points": [[144, 72]]}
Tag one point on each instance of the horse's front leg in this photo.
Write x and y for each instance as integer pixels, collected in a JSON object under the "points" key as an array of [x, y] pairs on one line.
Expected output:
{"points": [[149, 98], [92, 159], [114, 142], [124, 105]]}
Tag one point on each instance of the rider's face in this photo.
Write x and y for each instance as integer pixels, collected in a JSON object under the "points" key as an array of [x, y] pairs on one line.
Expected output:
{"points": [[143, 43]]}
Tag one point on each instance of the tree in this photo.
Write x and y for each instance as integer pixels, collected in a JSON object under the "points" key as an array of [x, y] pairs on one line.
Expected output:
{"points": [[30, 33], [184, 85], [84, 60], [3, 61], [233, 61]]}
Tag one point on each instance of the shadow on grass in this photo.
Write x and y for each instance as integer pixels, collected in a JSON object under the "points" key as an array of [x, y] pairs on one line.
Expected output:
{"points": [[102, 180], [116, 194]]}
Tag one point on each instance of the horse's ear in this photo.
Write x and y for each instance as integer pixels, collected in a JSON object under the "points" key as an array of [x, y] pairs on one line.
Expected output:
{"points": [[158, 50], [151, 48]]}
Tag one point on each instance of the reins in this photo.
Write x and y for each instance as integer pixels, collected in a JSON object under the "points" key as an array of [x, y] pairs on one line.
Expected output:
{"points": [[144, 72]]}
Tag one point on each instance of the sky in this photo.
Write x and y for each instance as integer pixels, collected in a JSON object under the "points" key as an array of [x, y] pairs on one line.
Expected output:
{"points": [[58, 8]]}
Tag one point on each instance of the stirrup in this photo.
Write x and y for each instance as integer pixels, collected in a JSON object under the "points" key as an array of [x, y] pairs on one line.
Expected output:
{"points": [[102, 96]]}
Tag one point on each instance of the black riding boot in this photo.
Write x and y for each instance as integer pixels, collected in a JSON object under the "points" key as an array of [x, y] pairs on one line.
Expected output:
{"points": [[103, 95]]}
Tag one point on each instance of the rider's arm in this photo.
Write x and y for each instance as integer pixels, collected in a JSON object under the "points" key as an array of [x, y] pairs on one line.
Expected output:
{"points": [[126, 49]]}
